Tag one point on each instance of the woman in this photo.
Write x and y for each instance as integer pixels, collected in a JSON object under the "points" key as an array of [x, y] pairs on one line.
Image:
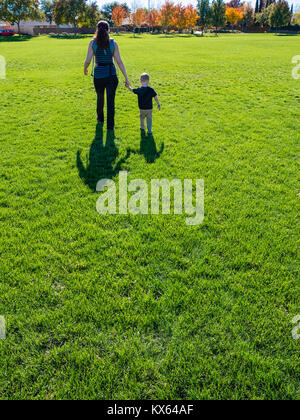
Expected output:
{"points": [[105, 76]]}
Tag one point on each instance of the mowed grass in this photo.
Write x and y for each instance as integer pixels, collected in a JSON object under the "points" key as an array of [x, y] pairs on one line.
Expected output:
{"points": [[145, 307]]}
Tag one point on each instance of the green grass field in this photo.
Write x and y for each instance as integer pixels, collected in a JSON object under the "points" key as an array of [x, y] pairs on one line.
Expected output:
{"points": [[145, 307]]}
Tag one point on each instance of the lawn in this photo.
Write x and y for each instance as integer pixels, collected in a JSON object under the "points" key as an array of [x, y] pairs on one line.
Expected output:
{"points": [[145, 307]]}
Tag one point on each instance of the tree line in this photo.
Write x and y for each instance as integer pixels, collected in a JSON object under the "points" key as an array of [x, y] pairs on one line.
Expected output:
{"points": [[216, 14]]}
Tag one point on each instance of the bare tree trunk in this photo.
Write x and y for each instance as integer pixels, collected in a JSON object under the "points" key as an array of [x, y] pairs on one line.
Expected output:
{"points": [[19, 30], [74, 23]]}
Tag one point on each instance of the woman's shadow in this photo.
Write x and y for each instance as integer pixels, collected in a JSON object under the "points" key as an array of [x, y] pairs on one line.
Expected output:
{"points": [[100, 163]]}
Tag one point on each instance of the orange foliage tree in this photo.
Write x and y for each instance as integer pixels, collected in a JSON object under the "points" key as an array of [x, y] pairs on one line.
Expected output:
{"points": [[118, 15], [152, 19], [234, 15], [191, 16], [179, 17], [166, 15], [138, 17]]}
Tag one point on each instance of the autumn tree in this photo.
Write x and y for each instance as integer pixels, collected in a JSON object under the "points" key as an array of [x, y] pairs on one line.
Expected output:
{"points": [[108, 8], [218, 17], [138, 18], [166, 15], [152, 19], [191, 16], [204, 14], [118, 15], [233, 16], [179, 17]]}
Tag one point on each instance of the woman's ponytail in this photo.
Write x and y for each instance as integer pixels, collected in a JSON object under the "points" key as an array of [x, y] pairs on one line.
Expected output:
{"points": [[102, 35]]}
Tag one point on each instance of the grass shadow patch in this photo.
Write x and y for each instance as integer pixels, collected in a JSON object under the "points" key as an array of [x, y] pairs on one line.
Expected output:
{"points": [[148, 148], [16, 38], [78, 36], [101, 162]]}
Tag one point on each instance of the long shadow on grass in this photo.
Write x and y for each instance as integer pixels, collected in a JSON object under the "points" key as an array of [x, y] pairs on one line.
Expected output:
{"points": [[78, 36], [15, 38], [101, 162], [288, 34]]}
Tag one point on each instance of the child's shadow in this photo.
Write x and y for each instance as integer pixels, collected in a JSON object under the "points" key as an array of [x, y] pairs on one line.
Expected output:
{"points": [[148, 148], [101, 160]]}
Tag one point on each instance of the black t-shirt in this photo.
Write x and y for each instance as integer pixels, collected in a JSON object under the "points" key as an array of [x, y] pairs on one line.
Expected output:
{"points": [[145, 95]]}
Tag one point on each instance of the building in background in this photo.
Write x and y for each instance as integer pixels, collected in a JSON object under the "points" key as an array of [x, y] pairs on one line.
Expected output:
{"points": [[30, 27], [5, 25]]}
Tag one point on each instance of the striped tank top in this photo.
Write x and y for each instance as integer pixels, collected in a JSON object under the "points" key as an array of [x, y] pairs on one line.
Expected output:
{"points": [[104, 66]]}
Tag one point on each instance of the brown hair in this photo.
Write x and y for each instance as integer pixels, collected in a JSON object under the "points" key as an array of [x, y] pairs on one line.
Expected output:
{"points": [[102, 35]]}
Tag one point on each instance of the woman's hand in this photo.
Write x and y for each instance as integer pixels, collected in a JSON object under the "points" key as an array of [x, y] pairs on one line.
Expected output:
{"points": [[127, 83], [86, 72]]}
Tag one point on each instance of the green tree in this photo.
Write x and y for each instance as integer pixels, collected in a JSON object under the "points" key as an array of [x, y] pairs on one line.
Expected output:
{"points": [[261, 6], [296, 19], [204, 13], [48, 6], [263, 18], [69, 11], [248, 14], [280, 15], [218, 17], [90, 16], [16, 11]]}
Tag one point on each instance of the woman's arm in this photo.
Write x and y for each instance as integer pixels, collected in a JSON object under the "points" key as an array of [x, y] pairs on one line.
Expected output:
{"points": [[120, 63], [88, 59]]}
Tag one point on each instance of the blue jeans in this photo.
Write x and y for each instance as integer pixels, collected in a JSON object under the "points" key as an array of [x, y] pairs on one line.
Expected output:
{"points": [[110, 84]]}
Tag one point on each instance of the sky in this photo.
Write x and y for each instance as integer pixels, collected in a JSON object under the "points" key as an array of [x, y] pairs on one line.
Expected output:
{"points": [[157, 3]]}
